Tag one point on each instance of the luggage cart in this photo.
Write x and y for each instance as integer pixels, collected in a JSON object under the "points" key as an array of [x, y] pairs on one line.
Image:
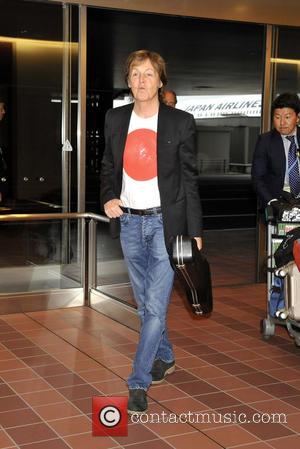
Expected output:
{"points": [[276, 230]]}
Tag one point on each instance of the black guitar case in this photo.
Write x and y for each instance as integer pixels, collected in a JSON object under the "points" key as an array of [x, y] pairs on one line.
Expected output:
{"points": [[193, 272]]}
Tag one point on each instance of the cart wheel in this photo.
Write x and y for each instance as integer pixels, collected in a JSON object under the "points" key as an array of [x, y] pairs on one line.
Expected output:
{"points": [[297, 341], [267, 328]]}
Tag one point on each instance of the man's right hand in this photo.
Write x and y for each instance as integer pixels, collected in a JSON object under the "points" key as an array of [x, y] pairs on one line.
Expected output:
{"points": [[112, 208]]}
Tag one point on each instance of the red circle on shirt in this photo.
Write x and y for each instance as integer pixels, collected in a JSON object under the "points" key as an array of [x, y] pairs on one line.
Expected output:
{"points": [[140, 158]]}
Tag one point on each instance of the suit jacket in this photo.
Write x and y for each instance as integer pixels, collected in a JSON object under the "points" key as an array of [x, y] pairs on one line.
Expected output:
{"points": [[269, 166], [176, 167]]}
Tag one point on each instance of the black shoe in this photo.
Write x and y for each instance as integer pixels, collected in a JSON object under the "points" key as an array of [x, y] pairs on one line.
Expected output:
{"points": [[160, 369], [137, 401]]}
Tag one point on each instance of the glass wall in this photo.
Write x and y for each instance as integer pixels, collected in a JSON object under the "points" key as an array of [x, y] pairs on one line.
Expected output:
{"points": [[32, 258], [286, 61], [32, 54], [38, 128]]}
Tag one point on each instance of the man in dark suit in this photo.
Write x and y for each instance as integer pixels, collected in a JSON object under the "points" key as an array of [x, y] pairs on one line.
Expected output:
{"points": [[149, 188], [275, 166]]}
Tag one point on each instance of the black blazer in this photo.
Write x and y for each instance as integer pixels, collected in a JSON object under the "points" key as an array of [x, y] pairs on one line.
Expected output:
{"points": [[176, 166], [269, 165]]}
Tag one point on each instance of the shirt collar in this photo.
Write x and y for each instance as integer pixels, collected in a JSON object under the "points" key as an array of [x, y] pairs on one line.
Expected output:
{"points": [[294, 133]]}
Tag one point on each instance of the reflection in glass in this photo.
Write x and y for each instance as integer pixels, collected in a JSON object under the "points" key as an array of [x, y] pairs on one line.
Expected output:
{"points": [[31, 257], [31, 58], [286, 61]]}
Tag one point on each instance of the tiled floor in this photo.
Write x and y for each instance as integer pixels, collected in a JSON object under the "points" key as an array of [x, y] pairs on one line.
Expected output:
{"points": [[52, 363]]}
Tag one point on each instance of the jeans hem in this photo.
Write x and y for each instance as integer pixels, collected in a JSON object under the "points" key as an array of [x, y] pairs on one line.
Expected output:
{"points": [[165, 361], [137, 387]]}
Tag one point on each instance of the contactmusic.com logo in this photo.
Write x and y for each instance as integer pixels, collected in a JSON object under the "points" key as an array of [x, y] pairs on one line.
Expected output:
{"points": [[110, 416]]}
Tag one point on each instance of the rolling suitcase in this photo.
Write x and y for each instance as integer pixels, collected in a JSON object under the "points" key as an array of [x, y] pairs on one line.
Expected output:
{"points": [[291, 276], [193, 272]]}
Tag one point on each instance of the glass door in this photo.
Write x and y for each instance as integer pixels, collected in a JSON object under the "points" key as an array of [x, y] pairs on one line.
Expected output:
{"points": [[38, 76], [38, 141]]}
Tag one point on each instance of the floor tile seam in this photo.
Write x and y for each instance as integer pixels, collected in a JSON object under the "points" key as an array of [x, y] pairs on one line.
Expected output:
{"points": [[64, 399], [212, 334], [269, 441], [44, 327], [260, 370], [58, 363], [39, 441], [9, 438], [135, 445], [252, 404], [227, 363], [201, 378], [203, 432], [214, 354], [10, 358], [195, 380], [188, 394], [279, 398], [237, 312], [191, 433], [231, 409], [231, 327], [219, 391], [80, 351], [234, 303], [56, 390], [184, 433], [55, 375], [281, 383], [42, 420], [222, 391], [11, 385], [279, 379], [7, 396], [56, 333], [12, 369], [165, 402], [13, 331], [147, 440], [189, 424], [210, 365], [168, 399], [74, 434], [254, 352], [295, 432], [250, 445], [261, 385], [246, 386], [295, 413], [73, 325], [36, 375], [240, 426], [70, 418]]}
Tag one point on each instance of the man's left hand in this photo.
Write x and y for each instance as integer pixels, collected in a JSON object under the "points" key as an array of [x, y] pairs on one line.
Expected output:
{"points": [[199, 242]]}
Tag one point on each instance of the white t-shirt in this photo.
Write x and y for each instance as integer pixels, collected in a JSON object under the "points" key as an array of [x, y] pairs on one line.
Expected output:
{"points": [[139, 184]]}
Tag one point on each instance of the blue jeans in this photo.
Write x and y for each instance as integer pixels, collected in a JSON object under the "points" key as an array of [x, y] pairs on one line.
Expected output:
{"points": [[151, 276]]}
